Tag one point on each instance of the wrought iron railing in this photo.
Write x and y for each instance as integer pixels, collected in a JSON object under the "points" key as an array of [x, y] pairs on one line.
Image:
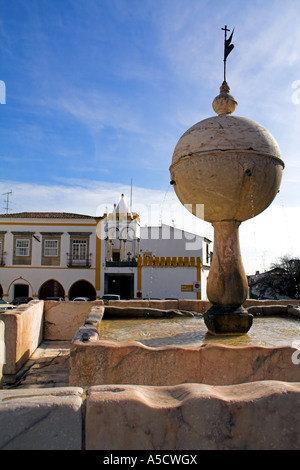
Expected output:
{"points": [[2, 259], [74, 262], [120, 264]]}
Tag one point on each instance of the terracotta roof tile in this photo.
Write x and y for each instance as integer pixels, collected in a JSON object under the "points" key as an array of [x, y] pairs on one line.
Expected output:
{"points": [[46, 215]]}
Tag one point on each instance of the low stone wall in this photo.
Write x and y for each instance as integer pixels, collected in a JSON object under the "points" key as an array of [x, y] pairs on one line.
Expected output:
{"points": [[198, 306], [27, 325], [89, 331], [129, 417], [259, 415], [23, 334], [275, 310], [63, 319], [41, 419], [110, 362], [160, 401]]}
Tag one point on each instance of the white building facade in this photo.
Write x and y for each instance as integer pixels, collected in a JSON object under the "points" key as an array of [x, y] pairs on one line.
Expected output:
{"points": [[47, 255], [67, 255]]}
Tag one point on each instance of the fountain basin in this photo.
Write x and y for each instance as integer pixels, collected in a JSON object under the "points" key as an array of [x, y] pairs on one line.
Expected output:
{"points": [[200, 358], [112, 362], [193, 417]]}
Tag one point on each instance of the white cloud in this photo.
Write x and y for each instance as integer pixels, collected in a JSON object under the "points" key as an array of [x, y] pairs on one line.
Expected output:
{"points": [[270, 235], [97, 110]]}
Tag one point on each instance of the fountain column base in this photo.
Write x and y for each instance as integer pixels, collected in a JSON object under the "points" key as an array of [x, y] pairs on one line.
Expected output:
{"points": [[227, 283], [227, 320]]}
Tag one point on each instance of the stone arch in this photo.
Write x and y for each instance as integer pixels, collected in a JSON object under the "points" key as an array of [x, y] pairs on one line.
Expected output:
{"points": [[51, 288], [82, 288], [18, 283]]}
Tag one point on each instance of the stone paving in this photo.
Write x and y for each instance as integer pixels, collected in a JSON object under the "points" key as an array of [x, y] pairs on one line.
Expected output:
{"points": [[47, 367]]}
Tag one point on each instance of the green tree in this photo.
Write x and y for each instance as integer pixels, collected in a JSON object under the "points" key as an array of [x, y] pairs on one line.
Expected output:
{"points": [[291, 267]]}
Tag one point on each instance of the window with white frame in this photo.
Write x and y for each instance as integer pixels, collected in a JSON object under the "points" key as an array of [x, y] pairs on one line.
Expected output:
{"points": [[22, 247], [50, 247], [79, 250]]}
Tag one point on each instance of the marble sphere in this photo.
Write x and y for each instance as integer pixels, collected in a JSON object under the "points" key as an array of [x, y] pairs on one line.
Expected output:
{"points": [[230, 164]]}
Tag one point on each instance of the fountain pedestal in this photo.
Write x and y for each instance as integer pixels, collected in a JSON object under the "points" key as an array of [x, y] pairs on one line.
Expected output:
{"points": [[227, 284], [227, 320], [232, 166]]}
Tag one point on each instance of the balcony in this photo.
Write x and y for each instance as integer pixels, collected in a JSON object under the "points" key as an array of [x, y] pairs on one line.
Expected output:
{"points": [[121, 264], [82, 262]]}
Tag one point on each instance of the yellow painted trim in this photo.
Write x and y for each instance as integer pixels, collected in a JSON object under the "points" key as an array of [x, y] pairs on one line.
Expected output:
{"points": [[199, 267], [186, 287], [98, 258], [48, 224], [139, 274], [174, 262], [43, 267]]}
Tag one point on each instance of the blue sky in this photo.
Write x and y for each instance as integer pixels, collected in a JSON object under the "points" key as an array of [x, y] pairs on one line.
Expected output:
{"points": [[98, 92]]}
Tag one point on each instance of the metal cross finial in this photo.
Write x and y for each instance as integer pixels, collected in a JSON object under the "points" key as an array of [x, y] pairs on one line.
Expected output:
{"points": [[227, 47], [225, 29]]}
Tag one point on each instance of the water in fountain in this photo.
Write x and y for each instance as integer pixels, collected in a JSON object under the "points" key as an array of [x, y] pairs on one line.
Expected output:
{"points": [[163, 203], [187, 332]]}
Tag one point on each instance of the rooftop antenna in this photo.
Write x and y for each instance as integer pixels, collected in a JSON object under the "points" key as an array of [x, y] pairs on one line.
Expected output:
{"points": [[227, 47], [131, 195], [6, 200]]}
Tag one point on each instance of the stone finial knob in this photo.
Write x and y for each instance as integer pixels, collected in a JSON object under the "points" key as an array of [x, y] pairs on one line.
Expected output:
{"points": [[224, 103]]}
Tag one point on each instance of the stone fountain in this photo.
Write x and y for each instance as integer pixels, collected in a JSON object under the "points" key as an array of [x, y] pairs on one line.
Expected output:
{"points": [[123, 395], [231, 165]]}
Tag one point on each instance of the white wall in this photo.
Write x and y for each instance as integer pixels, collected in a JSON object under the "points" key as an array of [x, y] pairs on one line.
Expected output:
{"points": [[170, 241], [158, 282], [166, 282], [35, 275]]}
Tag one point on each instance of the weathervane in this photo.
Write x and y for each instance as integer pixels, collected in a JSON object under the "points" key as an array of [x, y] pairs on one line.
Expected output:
{"points": [[227, 47]]}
